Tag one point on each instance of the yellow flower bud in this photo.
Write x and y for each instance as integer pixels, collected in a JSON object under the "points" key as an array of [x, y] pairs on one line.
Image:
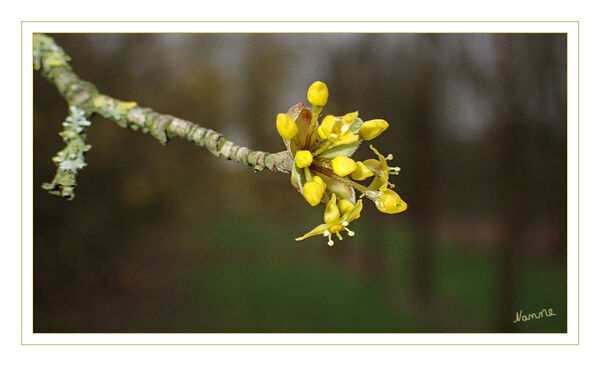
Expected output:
{"points": [[350, 117], [373, 128], [318, 179], [317, 94], [313, 192], [343, 165], [345, 206], [286, 126], [326, 127], [361, 172], [390, 202], [303, 158]]}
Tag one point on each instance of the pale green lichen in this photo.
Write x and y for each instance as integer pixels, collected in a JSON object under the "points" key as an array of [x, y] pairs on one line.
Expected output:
{"points": [[46, 54], [113, 109], [76, 121], [52, 61], [70, 159]]}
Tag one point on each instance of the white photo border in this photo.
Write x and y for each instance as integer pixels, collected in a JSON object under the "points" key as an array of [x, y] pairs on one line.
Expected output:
{"points": [[571, 28]]}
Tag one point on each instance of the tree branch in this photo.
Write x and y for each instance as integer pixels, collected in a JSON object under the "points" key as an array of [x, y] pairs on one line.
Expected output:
{"points": [[53, 62]]}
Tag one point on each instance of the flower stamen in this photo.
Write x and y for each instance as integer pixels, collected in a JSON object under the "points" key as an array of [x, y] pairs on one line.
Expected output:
{"points": [[330, 242]]}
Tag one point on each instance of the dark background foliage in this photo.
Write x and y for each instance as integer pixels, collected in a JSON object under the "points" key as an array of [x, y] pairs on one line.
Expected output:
{"points": [[172, 239]]}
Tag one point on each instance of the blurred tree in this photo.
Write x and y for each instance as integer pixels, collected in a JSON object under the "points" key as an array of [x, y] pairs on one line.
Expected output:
{"points": [[153, 243]]}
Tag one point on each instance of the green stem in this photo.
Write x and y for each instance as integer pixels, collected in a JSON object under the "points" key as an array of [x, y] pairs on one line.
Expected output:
{"points": [[357, 186], [307, 174], [325, 146]]}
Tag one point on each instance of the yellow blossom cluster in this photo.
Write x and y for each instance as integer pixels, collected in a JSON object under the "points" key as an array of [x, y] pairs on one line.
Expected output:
{"points": [[324, 170]]}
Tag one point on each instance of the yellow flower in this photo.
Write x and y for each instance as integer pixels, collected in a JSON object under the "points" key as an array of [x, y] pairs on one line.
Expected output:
{"points": [[326, 127], [361, 172], [334, 222], [286, 126], [382, 171], [390, 202], [337, 130], [317, 94], [303, 158], [373, 128], [323, 170], [343, 165], [313, 190]]}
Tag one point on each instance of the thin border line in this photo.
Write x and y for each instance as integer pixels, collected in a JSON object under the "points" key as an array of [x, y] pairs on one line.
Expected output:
{"points": [[320, 344], [299, 344], [300, 21], [578, 255], [22, 184]]}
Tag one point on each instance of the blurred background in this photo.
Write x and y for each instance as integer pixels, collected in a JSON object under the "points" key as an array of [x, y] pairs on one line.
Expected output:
{"points": [[173, 239]]}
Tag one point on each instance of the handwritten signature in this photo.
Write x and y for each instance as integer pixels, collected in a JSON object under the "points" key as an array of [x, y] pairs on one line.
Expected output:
{"points": [[526, 317]]}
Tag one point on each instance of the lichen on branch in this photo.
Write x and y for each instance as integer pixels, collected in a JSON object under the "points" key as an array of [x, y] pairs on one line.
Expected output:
{"points": [[70, 159], [52, 61]]}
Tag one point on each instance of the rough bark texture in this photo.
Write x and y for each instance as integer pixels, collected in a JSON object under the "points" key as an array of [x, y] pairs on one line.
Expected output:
{"points": [[53, 63]]}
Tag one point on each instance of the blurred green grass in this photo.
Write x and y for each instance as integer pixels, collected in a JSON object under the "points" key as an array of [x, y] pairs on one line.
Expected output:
{"points": [[245, 273], [467, 280], [256, 293], [301, 288]]}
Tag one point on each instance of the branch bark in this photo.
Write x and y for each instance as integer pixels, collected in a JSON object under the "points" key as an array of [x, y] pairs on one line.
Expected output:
{"points": [[53, 63]]}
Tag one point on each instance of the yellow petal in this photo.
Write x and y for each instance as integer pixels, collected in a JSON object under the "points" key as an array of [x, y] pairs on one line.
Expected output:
{"points": [[373, 164], [383, 172], [316, 231], [313, 192], [317, 94], [345, 206], [350, 117], [303, 158], [346, 138], [326, 127], [354, 213], [332, 212], [286, 126], [379, 183], [390, 202], [361, 172], [343, 165], [373, 128]]}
